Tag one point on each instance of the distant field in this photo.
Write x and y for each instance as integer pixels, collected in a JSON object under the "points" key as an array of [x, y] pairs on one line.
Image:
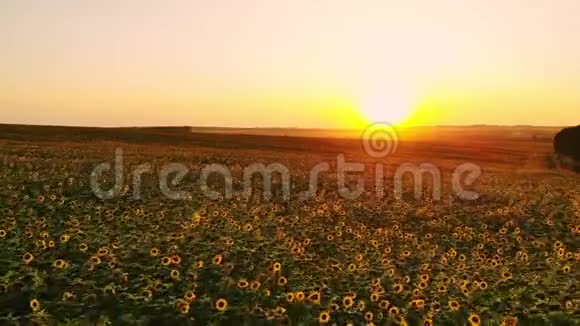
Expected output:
{"points": [[525, 143], [67, 255]]}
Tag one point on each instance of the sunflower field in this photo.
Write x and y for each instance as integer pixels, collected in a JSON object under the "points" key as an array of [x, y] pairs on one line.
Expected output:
{"points": [[69, 258]]}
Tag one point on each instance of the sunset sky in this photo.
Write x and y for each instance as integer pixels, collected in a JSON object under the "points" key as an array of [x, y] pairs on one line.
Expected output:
{"points": [[299, 63]]}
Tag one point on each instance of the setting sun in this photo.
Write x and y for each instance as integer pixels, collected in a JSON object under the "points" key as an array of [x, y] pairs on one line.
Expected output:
{"points": [[392, 106]]}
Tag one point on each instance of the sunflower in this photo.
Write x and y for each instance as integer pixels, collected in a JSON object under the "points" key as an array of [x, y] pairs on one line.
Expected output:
{"points": [[398, 288], [64, 238], [27, 258], [51, 244], [296, 250], [506, 275], [154, 252], [242, 284], [116, 244], [394, 311], [418, 303], [314, 297], [102, 252], [95, 260], [424, 277], [184, 308], [269, 314], [375, 297], [435, 306], [83, 247], [166, 261], [474, 320], [347, 302], [454, 305], [59, 263], [199, 264], [290, 297], [324, 317], [282, 281], [334, 263], [280, 311], [384, 304], [34, 305], [175, 259], [352, 267], [189, 296], [509, 322], [566, 269], [217, 260], [66, 296], [423, 285], [300, 296], [334, 307], [174, 274], [361, 305], [465, 291], [378, 289], [221, 304], [483, 285], [369, 316], [255, 285]]}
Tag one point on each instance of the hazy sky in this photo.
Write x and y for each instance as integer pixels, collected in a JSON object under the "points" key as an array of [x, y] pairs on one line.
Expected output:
{"points": [[303, 63]]}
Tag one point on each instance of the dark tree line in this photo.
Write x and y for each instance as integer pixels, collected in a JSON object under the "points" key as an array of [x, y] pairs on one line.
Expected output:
{"points": [[567, 145], [567, 142]]}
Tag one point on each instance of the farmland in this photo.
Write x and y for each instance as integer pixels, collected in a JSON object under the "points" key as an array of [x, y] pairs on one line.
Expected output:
{"points": [[69, 257]]}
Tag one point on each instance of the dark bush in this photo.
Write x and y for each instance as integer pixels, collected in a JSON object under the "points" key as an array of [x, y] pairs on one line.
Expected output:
{"points": [[567, 146], [567, 142]]}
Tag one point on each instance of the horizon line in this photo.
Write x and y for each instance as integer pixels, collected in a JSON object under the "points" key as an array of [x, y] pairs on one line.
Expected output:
{"points": [[287, 128]]}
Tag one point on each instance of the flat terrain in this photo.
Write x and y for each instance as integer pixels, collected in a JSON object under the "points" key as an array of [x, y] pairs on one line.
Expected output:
{"points": [[68, 255]]}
